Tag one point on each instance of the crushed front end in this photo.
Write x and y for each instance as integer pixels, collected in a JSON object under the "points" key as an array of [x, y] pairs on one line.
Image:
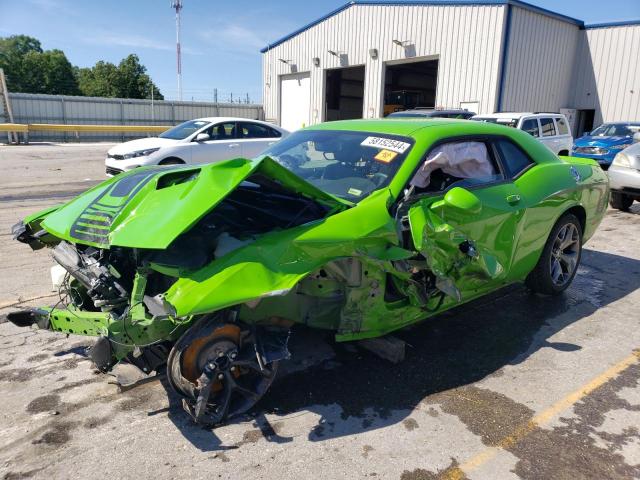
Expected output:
{"points": [[122, 250]]}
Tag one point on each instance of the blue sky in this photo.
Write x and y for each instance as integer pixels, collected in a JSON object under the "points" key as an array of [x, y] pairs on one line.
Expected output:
{"points": [[220, 40]]}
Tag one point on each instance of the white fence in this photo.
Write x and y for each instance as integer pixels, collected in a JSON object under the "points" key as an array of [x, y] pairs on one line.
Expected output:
{"points": [[63, 109]]}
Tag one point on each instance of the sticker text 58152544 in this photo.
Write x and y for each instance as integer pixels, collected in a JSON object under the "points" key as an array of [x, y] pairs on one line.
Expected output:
{"points": [[386, 143]]}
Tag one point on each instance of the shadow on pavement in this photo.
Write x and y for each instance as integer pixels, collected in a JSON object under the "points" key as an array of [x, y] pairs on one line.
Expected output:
{"points": [[454, 349]]}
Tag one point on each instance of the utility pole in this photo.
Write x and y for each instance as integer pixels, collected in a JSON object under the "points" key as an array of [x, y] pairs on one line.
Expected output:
{"points": [[177, 5], [6, 107]]}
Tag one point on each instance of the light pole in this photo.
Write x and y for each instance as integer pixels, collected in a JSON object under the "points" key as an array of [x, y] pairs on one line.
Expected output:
{"points": [[177, 5]]}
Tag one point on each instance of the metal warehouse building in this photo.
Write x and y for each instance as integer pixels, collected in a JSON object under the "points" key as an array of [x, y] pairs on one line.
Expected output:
{"points": [[364, 58]]}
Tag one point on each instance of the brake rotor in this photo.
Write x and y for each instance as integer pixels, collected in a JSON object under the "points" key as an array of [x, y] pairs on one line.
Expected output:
{"points": [[215, 368]]}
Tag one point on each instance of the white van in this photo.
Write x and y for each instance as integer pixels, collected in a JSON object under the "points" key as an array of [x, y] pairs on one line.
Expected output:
{"points": [[552, 129]]}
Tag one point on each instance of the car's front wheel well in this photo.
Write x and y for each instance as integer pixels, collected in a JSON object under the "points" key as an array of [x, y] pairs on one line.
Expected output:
{"points": [[171, 161], [580, 214]]}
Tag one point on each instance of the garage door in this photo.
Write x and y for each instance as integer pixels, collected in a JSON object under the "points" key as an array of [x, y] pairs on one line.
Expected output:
{"points": [[294, 101]]}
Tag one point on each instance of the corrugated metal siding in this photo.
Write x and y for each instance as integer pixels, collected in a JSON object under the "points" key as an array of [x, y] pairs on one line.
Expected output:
{"points": [[540, 62], [466, 40], [37, 108], [608, 73]]}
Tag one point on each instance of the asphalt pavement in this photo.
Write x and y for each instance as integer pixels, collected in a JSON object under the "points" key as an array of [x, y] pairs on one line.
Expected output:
{"points": [[512, 386]]}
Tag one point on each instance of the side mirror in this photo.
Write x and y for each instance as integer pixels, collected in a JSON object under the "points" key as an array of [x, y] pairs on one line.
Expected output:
{"points": [[202, 137], [636, 137], [462, 200]]}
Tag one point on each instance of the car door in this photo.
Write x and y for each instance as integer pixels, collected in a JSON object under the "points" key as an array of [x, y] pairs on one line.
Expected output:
{"points": [[564, 138], [468, 231], [222, 144], [549, 134], [255, 137]]}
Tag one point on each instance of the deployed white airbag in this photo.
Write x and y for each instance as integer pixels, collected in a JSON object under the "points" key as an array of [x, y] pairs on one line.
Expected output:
{"points": [[460, 159]]}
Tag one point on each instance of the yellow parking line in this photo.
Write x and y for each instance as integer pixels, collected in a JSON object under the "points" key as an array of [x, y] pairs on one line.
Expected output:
{"points": [[543, 417]]}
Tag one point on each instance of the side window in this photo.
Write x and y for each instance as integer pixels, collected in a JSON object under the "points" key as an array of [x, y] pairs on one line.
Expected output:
{"points": [[563, 128], [513, 158], [531, 127], [222, 131], [548, 129], [460, 163], [254, 130]]}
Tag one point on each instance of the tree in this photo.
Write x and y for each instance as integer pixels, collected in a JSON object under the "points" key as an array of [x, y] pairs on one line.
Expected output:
{"points": [[127, 80], [12, 52], [101, 80], [29, 69], [134, 81]]}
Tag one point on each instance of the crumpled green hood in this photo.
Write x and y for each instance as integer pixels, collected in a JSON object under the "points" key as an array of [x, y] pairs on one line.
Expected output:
{"points": [[150, 207]]}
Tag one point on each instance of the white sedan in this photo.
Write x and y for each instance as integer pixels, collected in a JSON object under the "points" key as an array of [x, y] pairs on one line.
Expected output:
{"points": [[196, 141]]}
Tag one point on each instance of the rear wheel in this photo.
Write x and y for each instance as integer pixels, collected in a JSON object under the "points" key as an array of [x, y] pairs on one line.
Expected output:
{"points": [[214, 367], [620, 201], [560, 258]]}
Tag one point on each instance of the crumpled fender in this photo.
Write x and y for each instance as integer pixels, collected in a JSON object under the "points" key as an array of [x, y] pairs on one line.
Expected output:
{"points": [[274, 263]]}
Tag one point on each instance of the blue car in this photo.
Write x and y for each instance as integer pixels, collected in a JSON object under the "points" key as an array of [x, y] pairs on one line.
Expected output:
{"points": [[605, 142]]}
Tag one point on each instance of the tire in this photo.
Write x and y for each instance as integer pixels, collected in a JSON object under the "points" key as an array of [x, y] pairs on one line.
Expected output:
{"points": [[558, 265], [620, 201], [171, 161], [563, 153]]}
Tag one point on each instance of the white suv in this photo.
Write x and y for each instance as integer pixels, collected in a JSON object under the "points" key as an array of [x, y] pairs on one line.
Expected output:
{"points": [[552, 129]]}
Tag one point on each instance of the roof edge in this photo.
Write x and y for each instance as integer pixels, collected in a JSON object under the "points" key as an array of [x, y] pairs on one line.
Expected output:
{"points": [[306, 27], [625, 23], [516, 3], [546, 12]]}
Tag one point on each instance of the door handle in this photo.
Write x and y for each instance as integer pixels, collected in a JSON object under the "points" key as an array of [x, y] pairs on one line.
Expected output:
{"points": [[233, 145], [513, 199]]}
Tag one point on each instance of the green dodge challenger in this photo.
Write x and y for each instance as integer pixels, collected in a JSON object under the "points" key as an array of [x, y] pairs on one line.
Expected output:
{"points": [[359, 227]]}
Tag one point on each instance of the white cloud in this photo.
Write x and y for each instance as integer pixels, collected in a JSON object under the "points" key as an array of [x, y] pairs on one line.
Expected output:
{"points": [[46, 4], [136, 41], [234, 37]]}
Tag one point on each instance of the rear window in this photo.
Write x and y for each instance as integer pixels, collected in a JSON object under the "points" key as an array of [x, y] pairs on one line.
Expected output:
{"points": [[513, 158], [254, 130], [563, 129], [548, 128]]}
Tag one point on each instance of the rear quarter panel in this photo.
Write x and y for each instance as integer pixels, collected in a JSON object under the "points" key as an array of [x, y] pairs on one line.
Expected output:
{"points": [[550, 190]]}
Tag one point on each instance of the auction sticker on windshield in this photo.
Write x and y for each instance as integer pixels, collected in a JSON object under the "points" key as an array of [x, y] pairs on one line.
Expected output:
{"points": [[385, 156], [386, 143]]}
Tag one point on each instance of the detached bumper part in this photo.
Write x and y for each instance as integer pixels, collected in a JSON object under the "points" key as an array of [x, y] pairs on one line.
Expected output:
{"points": [[22, 234], [29, 317]]}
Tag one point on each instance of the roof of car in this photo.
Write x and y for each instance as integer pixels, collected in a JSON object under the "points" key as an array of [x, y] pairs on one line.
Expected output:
{"points": [[516, 114], [431, 111], [226, 119], [409, 126]]}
